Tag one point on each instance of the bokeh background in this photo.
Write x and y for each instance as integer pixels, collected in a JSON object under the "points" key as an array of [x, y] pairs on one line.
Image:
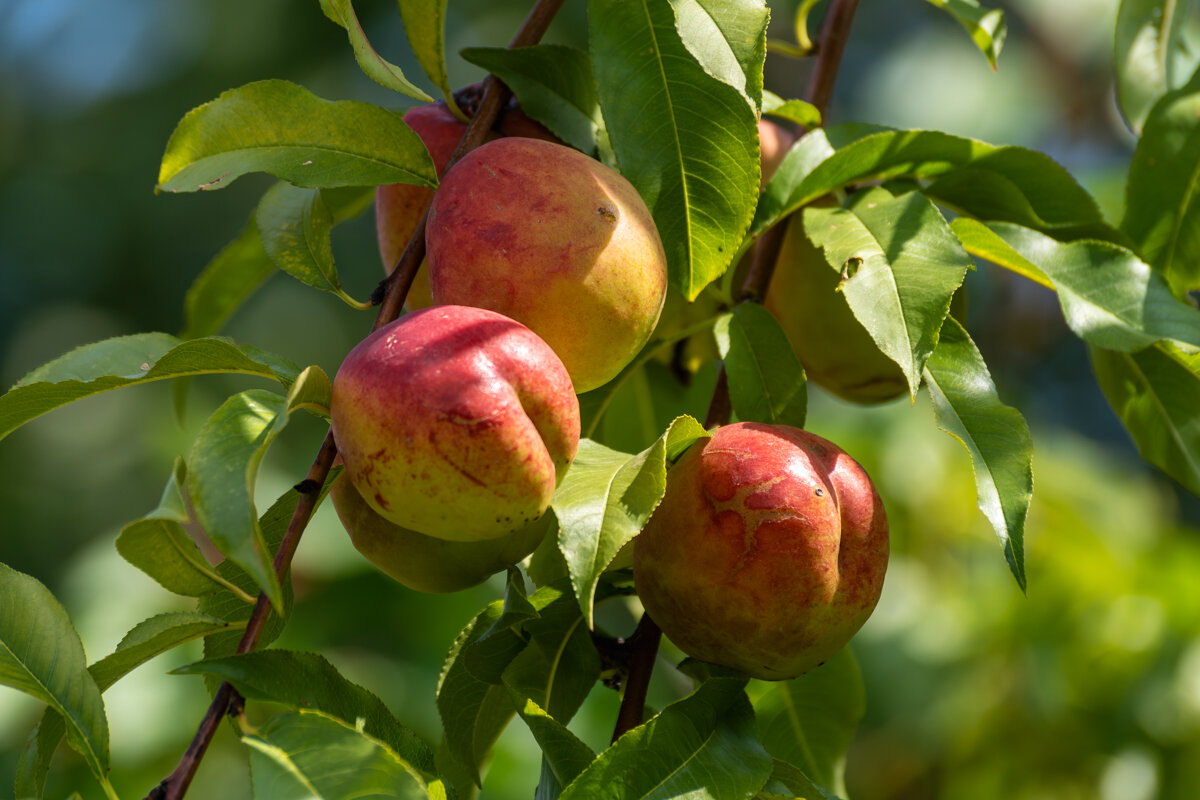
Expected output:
{"points": [[1089, 687]]}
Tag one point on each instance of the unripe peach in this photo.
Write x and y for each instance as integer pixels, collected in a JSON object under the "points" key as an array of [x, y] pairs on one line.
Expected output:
{"points": [[427, 563], [455, 422], [556, 240], [767, 552]]}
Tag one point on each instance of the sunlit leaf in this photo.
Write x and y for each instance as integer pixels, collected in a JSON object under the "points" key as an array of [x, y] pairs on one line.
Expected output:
{"points": [[684, 139], [425, 28], [1162, 197], [900, 266], [281, 128], [375, 66], [728, 39], [565, 753], [798, 111], [554, 84], [307, 754], [967, 407], [986, 26], [766, 380], [703, 747], [1146, 47], [126, 361], [1156, 394]]}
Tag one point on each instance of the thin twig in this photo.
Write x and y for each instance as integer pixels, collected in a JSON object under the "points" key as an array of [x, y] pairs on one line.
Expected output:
{"points": [[645, 640], [395, 290]]}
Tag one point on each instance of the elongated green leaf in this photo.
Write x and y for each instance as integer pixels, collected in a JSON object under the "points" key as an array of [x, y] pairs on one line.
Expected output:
{"points": [[797, 111], [1156, 394], [226, 283], [308, 680], [766, 380], [900, 263], [1109, 297], [1009, 184], [281, 128], [224, 468], [148, 638], [1149, 37], [41, 655], [704, 746], [967, 407], [684, 139], [554, 84], [788, 782], [986, 26], [127, 361], [809, 722], [606, 498], [425, 27], [1162, 197], [307, 755], [729, 39], [375, 66], [565, 753]]}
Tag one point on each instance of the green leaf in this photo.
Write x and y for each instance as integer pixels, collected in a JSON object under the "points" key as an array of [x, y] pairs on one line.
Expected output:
{"points": [[158, 545], [766, 380], [986, 26], [798, 111], [685, 140], [281, 128], [41, 655], [1156, 394], [605, 500], [728, 38], [703, 746], [306, 754], [565, 753], [809, 722], [224, 468], [901, 265], [127, 361], [307, 680], [554, 84], [296, 228], [967, 407], [425, 27], [788, 782], [148, 639], [375, 66], [1009, 184], [1162, 197], [1109, 297], [226, 283], [1149, 38]]}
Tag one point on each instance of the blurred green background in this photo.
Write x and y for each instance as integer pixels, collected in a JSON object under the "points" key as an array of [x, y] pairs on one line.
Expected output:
{"points": [[1087, 688]]}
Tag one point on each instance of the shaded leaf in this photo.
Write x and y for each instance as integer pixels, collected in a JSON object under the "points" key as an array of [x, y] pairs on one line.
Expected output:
{"points": [[900, 266], [127, 361], [309, 755], [1148, 39], [788, 782], [1156, 394], [226, 283], [684, 139], [967, 407], [986, 26], [309, 681], [1109, 297], [766, 380], [703, 746], [425, 28], [564, 752], [278, 127], [1162, 197], [373, 65], [554, 84]]}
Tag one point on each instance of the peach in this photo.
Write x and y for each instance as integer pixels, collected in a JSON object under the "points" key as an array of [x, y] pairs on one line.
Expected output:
{"points": [[427, 563], [455, 422], [767, 552], [556, 240]]}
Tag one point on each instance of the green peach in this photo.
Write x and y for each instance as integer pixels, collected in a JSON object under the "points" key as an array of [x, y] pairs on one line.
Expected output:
{"points": [[455, 422], [767, 553], [556, 240]]}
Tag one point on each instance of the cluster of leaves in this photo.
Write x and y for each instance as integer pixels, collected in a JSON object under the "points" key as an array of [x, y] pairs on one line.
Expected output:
{"points": [[669, 93]]}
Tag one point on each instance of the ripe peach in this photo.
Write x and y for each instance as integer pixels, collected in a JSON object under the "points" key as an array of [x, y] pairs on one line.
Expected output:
{"points": [[556, 240], [455, 422], [427, 563], [767, 552]]}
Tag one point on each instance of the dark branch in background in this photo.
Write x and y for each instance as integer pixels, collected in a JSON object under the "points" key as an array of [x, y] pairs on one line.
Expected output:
{"points": [[644, 642], [394, 290]]}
